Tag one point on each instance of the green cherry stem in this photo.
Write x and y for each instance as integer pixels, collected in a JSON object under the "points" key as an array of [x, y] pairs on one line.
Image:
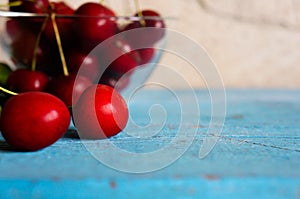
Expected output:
{"points": [[58, 40], [12, 4], [4, 90], [37, 43]]}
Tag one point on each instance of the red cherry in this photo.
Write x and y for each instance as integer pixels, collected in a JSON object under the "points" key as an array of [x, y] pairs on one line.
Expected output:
{"points": [[36, 6], [101, 112], [64, 24], [67, 89], [13, 28], [26, 39], [143, 38], [32, 6], [23, 80], [48, 59], [88, 64], [127, 60], [96, 26], [119, 83], [33, 120], [146, 55]]}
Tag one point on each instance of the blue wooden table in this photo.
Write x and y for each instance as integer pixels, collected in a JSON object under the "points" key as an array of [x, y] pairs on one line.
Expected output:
{"points": [[257, 154]]}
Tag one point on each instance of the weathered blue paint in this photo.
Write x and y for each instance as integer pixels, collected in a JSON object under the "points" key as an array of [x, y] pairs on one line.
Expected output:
{"points": [[257, 155]]}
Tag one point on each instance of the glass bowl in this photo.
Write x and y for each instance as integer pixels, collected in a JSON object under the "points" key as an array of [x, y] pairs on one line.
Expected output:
{"points": [[60, 40]]}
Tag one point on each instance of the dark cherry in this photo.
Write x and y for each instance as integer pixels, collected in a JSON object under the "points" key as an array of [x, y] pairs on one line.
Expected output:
{"points": [[96, 26], [24, 80], [64, 24], [24, 40], [128, 59], [33, 120], [146, 55], [143, 38], [100, 113], [88, 64], [22, 51], [33, 6], [69, 91], [13, 28], [113, 80]]}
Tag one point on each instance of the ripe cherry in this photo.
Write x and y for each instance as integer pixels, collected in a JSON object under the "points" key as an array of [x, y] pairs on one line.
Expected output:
{"points": [[36, 6], [13, 28], [25, 39], [23, 80], [100, 113], [128, 59], [94, 24], [33, 120], [146, 55], [143, 38], [115, 81], [88, 64], [64, 24], [67, 89]]}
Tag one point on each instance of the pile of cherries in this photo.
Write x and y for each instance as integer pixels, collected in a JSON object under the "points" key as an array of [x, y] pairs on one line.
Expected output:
{"points": [[49, 52]]}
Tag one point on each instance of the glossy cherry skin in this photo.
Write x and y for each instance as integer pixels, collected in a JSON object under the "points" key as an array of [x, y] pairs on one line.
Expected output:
{"points": [[143, 38], [123, 56], [13, 28], [36, 6], [100, 113], [88, 64], [23, 80], [96, 26], [146, 55], [67, 89], [33, 120], [25, 39], [64, 24], [113, 80]]}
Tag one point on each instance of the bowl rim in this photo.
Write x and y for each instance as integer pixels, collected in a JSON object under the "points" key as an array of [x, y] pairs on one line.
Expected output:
{"points": [[13, 14]]}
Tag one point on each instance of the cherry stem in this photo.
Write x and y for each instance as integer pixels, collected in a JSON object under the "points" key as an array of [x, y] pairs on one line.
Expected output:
{"points": [[37, 43], [58, 40], [101, 2], [4, 90], [139, 12], [11, 4]]}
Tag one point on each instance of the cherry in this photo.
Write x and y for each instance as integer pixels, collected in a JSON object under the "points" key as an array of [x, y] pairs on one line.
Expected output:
{"points": [[36, 6], [67, 89], [146, 55], [33, 120], [143, 38], [127, 60], [64, 24], [88, 64], [23, 46], [24, 80], [93, 24], [113, 80], [100, 113], [13, 28], [31, 6]]}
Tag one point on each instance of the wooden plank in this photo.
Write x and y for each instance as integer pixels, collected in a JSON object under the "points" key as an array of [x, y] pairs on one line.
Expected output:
{"points": [[257, 154]]}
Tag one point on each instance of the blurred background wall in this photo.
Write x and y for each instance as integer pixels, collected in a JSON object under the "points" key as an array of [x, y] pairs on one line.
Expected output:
{"points": [[255, 43]]}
